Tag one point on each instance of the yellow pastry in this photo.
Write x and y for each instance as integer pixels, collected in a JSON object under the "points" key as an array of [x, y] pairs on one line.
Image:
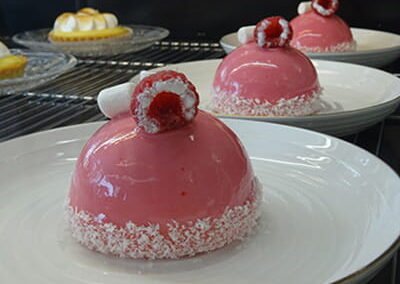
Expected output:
{"points": [[87, 25], [11, 66]]}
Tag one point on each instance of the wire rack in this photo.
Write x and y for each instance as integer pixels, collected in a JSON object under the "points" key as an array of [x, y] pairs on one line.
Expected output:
{"points": [[71, 99]]}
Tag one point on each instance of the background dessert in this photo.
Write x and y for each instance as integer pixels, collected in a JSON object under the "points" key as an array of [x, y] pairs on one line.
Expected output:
{"points": [[265, 76], [163, 180], [11, 66], [87, 25], [319, 29]]}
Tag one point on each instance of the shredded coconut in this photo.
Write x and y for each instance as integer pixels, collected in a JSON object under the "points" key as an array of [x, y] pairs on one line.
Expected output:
{"points": [[261, 39], [262, 36], [322, 10], [224, 103], [341, 47], [176, 86], [188, 239], [284, 37]]}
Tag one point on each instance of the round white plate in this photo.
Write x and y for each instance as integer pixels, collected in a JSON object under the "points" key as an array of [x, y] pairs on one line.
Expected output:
{"points": [[354, 96], [41, 68], [374, 48], [330, 212]]}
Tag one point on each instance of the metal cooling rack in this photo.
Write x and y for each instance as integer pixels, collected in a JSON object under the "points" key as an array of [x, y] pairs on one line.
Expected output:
{"points": [[71, 99], [93, 74]]}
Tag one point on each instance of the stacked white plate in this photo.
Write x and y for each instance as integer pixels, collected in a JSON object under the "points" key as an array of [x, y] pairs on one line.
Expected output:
{"points": [[374, 48], [355, 97]]}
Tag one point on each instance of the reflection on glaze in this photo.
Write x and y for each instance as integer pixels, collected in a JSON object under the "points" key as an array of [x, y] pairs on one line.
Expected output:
{"points": [[312, 31], [124, 174], [253, 64]]}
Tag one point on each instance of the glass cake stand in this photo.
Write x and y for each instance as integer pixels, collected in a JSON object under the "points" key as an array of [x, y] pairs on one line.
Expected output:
{"points": [[41, 68], [143, 37]]}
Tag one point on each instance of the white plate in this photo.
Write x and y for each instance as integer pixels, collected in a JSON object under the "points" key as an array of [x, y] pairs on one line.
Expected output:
{"points": [[354, 96], [330, 212], [374, 48]]}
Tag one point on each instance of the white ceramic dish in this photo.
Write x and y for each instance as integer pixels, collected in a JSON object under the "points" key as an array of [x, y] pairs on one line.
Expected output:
{"points": [[374, 48], [41, 68], [354, 96], [143, 37], [330, 213]]}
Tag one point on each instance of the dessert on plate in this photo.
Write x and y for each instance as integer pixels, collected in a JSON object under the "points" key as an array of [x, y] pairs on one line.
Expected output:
{"points": [[87, 25], [265, 76], [161, 179], [11, 66], [319, 29]]}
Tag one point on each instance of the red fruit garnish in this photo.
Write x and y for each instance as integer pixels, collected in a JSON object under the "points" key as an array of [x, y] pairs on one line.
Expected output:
{"points": [[325, 8], [164, 101], [273, 32]]}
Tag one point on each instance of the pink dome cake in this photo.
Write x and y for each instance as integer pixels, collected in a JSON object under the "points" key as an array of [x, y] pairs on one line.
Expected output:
{"points": [[161, 179], [265, 76], [318, 29]]}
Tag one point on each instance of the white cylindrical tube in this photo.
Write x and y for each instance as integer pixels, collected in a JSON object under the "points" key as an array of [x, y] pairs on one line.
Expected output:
{"points": [[115, 100]]}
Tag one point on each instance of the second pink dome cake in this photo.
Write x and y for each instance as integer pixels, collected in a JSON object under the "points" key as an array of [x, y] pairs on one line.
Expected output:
{"points": [[166, 181], [266, 77], [318, 29]]}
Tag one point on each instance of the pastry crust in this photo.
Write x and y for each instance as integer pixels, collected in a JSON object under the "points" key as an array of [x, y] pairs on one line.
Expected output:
{"points": [[75, 36]]}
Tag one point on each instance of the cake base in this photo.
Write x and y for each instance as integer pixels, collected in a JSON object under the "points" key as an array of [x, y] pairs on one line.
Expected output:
{"points": [[341, 47], [148, 242], [234, 105]]}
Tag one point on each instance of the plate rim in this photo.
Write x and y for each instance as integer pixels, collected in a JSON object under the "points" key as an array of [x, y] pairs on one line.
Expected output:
{"points": [[386, 104], [357, 274], [396, 48]]}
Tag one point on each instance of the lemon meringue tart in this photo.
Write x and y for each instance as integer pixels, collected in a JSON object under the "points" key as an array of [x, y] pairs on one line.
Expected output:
{"points": [[11, 66], [87, 25]]}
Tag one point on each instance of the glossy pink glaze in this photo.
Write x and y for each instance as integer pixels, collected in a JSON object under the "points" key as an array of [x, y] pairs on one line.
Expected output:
{"points": [[312, 30], [252, 72], [182, 175]]}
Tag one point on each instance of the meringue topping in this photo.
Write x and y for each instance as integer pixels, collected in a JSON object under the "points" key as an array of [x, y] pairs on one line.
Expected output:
{"points": [[111, 20], [88, 11], [3, 50], [86, 19]]}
